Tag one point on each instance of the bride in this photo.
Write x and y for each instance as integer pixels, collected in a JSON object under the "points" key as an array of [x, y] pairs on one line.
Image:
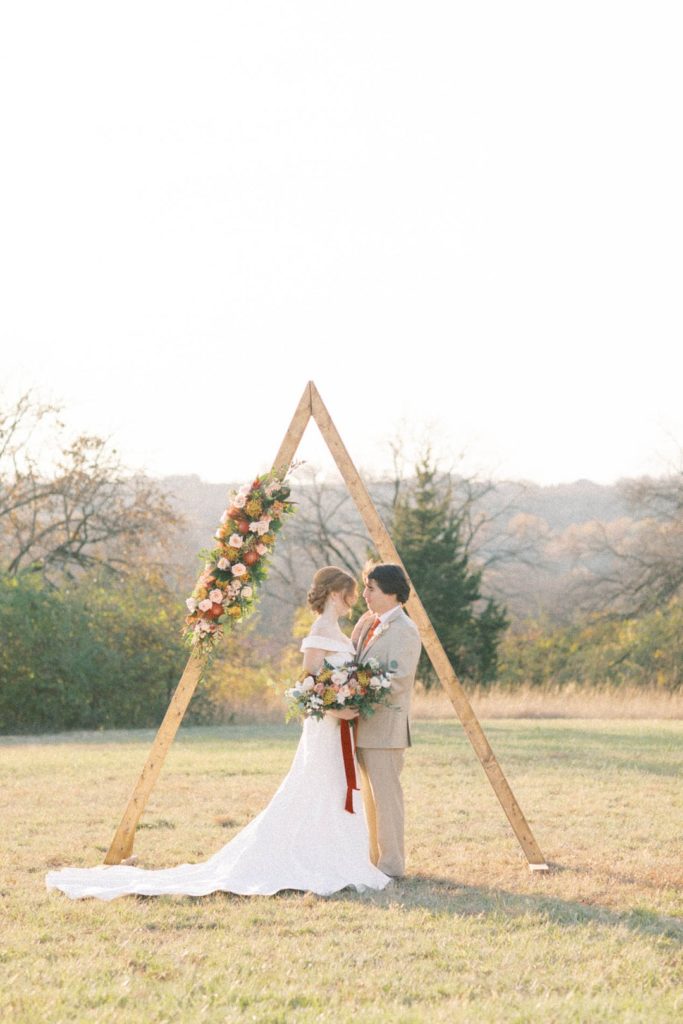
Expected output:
{"points": [[304, 839]]}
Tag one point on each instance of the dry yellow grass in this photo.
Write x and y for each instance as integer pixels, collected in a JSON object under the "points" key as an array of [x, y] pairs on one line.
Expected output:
{"points": [[560, 702], [469, 936]]}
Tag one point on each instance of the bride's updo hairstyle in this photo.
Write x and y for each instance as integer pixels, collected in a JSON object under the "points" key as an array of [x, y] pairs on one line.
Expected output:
{"points": [[329, 580]]}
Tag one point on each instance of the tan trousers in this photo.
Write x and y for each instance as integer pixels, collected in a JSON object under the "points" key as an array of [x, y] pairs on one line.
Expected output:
{"points": [[380, 771]]}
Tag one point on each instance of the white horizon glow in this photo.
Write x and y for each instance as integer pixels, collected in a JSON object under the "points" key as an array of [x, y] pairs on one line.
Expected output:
{"points": [[463, 215]]}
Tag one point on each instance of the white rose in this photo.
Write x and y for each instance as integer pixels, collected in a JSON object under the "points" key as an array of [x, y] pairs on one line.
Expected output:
{"points": [[216, 596], [191, 604], [260, 527], [238, 569], [205, 605], [247, 592], [240, 501], [386, 683], [222, 563], [307, 684], [235, 540], [375, 683], [339, 677]]}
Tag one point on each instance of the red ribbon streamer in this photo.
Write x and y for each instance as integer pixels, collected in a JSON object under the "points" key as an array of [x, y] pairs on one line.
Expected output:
{"points": [[349, 764]]}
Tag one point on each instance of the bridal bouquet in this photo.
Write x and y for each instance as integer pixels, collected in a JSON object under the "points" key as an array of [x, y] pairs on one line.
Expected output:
{"points": [[340, 687]]}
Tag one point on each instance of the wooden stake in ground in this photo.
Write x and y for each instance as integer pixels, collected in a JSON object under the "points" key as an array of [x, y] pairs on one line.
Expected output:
{"points": [[311, 405]]}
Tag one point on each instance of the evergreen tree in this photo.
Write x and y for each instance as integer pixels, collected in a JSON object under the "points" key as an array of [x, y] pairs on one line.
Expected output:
{"points": [[427, 531]]}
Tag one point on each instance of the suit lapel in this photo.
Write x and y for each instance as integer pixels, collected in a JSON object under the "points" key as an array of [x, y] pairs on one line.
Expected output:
{"points": [[363, 641], [381, 630]]}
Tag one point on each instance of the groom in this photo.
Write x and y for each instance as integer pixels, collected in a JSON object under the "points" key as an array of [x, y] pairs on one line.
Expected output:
{"points": [[386, 633]]}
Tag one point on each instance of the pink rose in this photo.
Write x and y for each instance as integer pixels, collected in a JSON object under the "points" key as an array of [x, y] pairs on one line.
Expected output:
{"points": [[240, 501], [235, 540], [216, 596], [222, 563], [205, 605], [262, 549], [238, 570]]}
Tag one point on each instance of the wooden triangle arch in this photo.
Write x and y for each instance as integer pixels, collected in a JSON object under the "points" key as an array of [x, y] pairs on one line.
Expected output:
{"points": [[311, 405]]}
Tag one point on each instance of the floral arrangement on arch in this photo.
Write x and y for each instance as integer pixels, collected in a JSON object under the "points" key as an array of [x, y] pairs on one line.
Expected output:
{"points": [[226, 591]]}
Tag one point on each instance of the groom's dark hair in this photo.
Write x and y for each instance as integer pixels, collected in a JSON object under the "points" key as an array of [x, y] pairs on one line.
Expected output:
{"points": [[391, 579]]}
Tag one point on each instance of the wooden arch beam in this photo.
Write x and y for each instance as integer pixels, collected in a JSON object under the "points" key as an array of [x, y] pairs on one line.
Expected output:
{"points": [[312, 405]]}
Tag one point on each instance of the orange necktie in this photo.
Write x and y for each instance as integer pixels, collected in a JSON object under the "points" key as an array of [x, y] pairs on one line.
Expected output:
{"points": [[371, 631]]}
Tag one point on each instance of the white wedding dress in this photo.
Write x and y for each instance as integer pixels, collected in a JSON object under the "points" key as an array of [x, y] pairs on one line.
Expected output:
{"points": [[304, 839]]}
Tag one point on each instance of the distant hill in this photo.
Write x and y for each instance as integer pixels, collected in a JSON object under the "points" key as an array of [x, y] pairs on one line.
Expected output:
{"points": [[533, 584]]}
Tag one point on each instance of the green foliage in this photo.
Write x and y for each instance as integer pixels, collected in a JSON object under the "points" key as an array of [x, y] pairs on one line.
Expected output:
{"points": [[104, 653], [644, 651], [427, 533]]}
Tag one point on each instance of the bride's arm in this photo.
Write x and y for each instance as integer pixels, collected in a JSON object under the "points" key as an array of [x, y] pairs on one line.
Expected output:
{"points": [[358, 628], [313, 660]]}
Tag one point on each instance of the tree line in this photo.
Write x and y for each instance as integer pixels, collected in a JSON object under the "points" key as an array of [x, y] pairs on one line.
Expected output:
{"points": [[91, 600]]}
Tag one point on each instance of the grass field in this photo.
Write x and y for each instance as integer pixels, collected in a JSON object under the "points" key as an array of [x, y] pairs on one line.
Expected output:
{"points": [[470, 935]]}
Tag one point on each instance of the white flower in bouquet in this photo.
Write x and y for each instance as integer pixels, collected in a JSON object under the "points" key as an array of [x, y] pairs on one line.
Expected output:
{"points": [[216, 596], [236, 541], [223, 564], [247, 592], [240, 500], [261, 549], [205, 605], [191, 604], [239, 569], [339, 677], [261, 526], [308, 684], [375, 683]]}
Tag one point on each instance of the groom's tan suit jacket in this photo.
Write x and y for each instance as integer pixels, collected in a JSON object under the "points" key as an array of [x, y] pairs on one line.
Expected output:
{"points": [[397, 648]]}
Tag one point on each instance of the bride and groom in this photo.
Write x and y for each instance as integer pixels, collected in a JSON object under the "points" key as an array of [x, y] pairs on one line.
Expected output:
{"points": [[305, 839]]}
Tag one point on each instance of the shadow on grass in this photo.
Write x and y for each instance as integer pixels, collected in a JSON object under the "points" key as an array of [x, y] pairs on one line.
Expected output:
{"points": [[443, 896], [587, 747]]}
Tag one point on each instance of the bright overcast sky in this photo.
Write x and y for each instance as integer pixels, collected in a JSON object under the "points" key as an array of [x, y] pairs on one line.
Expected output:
{"points": [[461, 214]]}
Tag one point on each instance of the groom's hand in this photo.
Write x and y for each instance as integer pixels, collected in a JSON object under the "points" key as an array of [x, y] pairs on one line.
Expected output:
{"points": [[358, 628]]}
